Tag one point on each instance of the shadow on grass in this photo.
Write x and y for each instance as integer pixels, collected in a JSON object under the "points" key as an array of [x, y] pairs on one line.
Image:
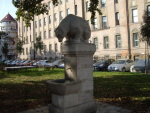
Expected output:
{"points": [[23, 96], [129, 91]]}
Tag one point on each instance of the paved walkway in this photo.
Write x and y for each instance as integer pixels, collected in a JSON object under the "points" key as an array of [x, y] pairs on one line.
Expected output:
{"points": [[101, 108]]}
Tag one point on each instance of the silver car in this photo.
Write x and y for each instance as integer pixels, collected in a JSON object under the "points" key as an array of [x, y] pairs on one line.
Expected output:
{"points": [[121, 65]]}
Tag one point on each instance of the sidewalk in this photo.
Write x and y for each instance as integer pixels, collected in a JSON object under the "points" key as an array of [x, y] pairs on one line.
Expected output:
{"points": [[101, 108]]}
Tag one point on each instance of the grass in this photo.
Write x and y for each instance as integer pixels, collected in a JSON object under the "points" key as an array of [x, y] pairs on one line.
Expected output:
{"points": [[26, 89]]}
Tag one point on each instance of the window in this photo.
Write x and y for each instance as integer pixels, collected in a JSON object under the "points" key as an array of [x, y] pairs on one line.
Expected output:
{"points": [[35, 24], [23, 51], [45, 21], [61, 15], [104, 22], [55, 17], [60, 2], [50, 33], [76, 10], [95, 23], [26, 51], [117, 18], [103, 3], [44, 48], [35, 34], [49, 19], [95, 41], [55, 47], [134, 15], [49, 5], [106, 42], [135, 40], [44, 34], [87, 6], [40, 23], [136, 57], [118, 41], [68, 11], [148, 10], [30, 38], [40, 34], [50, 47]]}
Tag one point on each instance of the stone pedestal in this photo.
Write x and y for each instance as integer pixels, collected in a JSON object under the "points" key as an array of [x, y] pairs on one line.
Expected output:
{"points": [[74, 94]]}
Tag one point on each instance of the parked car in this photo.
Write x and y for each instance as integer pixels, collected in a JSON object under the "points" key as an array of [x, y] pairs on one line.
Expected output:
{"points": [[27, 63], [57, 63], [101, 65], [61, 65], [48, 63], [20, 62], [43, 62], [121, 65], [139, 66]]}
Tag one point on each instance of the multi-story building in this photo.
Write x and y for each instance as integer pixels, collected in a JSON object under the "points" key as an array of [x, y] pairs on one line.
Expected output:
{"points": [[8, 25], [116, 33]]}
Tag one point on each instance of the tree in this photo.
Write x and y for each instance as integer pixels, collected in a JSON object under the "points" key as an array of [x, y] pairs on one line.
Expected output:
{"points": [[28, 8], [38, 45], [19, 47], [5, 49], [145, 32], [3, 33], [5, 38]]}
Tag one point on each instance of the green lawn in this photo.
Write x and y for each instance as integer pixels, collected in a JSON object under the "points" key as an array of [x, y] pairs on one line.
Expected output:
{"points": [[26, 89]]}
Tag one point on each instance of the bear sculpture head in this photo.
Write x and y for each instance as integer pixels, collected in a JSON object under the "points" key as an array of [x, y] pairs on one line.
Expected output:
{"points": [[59, 34]]}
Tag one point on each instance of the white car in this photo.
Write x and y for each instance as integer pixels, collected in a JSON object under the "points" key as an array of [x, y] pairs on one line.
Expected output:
{"points": [[121, 65], [43, 62]]}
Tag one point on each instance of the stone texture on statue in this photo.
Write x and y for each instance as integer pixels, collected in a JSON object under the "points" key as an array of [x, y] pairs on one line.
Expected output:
{"points": [[74, 93], [74, 28]]}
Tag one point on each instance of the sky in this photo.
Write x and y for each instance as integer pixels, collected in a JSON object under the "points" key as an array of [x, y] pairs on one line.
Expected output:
{"points": [[6, 7]]}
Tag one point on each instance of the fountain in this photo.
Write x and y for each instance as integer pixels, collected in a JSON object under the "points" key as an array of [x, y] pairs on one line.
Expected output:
{"points": [[74, 93]]}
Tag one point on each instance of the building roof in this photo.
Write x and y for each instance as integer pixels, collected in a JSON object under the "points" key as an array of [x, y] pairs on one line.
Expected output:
{"points": [[8, 17]]}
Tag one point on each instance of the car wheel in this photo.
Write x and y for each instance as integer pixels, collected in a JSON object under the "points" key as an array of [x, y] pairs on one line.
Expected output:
{"points": [[124, 69]]}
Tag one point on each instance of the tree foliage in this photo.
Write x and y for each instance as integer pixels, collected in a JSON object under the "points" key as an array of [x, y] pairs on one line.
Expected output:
{"points": [[38, 45], [3, 33], [145, 28], [93, 9], [19, 47], [28, 8], [5, 49]]}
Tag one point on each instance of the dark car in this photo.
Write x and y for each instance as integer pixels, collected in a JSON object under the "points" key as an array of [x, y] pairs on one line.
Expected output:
{"points": [[101, 65], [139, 66]]}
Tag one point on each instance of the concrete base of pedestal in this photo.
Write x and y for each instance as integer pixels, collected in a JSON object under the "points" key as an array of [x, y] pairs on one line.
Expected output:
{"points": [[89, 107]]}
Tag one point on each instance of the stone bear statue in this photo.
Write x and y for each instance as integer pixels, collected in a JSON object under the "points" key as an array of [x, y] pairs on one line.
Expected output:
{"points": [[74, 28]]}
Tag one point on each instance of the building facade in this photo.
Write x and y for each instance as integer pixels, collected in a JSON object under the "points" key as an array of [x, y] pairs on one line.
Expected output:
{"points": [[116, 33], [8, 25]]}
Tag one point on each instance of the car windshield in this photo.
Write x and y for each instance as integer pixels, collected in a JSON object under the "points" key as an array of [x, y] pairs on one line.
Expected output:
{"points": [[119, 62]]}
